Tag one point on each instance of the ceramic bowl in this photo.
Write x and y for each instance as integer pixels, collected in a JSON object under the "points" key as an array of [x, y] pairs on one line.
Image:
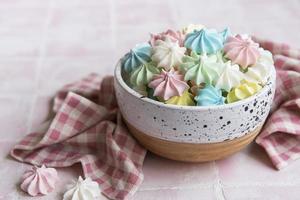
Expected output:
{"points": [[193, 133]]}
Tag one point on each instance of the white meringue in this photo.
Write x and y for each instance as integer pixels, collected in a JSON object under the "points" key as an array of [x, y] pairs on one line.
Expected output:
{"points": [[260, 71], [39, 181], [230, 77], [191, 28], [83, 190], [167, 54]]}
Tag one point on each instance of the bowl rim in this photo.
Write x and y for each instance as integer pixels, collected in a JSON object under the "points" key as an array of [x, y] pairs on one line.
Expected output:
{"points": [[119, 79]]}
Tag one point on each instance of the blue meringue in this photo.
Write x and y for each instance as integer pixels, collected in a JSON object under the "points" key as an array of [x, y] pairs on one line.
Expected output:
{"points": [[204, 41], [140, 54], [209, 96], [225, 33]]}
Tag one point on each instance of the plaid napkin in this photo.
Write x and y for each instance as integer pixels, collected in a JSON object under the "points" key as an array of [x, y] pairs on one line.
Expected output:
{"points": [[280, 136], [88, 129]]}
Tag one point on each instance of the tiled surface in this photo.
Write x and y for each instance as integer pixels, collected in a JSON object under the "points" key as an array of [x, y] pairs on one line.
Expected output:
{"points": [[45, 44]]}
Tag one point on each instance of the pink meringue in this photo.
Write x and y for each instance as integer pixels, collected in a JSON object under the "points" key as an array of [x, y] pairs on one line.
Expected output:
{"points": [[168, 84], [39, 181], [241, 50], [175, 36]]}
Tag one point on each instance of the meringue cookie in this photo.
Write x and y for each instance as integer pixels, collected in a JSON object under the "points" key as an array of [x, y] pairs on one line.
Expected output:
{"points": [[191, 28], [242, 91], [83, 190], [204, 41], [259, 72], [209, 96], [140, 54], [201, 68], [141, 89], [241, 50], [230, 77], [220, 57], [186, 99], [225, 33], [175, 36], [39, 181], [167, 54], [143, 74], [168, 84]]}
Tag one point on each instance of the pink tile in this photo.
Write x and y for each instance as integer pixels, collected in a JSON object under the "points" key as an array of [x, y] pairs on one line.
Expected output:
{"points": [[252, 166], [146, 14], [42, 111], [84, 17], [17, 75], [14, 117], [24, 3], [21, 30], [75, 42], [56, 72], [10, 172], [175, 194], [262, 192], [163, 173]]}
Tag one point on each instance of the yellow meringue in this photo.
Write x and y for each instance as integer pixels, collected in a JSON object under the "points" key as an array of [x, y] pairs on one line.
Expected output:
{"points": [[186, 99], [243, 91]]}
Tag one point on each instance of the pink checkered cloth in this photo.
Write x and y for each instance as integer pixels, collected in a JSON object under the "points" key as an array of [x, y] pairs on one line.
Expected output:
{"points": [[88, 129], [280, 136]]}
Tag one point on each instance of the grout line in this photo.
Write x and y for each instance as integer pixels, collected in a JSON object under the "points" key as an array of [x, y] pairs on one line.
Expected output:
{"points": [[42, 52], [194, 186], [218, 188], [262, 184]]}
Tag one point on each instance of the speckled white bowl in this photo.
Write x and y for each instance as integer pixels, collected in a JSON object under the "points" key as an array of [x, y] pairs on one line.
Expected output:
{"points": [[193, 124]]}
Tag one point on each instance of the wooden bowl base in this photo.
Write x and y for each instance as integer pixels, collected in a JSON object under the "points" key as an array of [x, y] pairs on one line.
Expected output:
{"points": [[191, 152]]}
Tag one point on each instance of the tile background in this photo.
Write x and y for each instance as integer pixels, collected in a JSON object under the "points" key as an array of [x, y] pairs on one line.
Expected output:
{"points": [[45, 44]]}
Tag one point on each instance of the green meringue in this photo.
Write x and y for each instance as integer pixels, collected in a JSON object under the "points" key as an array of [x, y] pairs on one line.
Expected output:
{"points": [[201, 68], [143, 74]]}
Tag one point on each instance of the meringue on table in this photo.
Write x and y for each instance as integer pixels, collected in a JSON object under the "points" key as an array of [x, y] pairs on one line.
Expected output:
{"points": [[39, 181], [83, 189]]}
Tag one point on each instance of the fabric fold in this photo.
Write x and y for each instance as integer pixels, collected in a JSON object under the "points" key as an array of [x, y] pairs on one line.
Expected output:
{"points": [[89, 131], [280, 136]]}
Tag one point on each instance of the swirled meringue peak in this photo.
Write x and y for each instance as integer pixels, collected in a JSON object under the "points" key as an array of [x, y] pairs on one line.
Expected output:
{"points": [[204, 41], [225, 33], [201, 68], [143, 74], [175, 36], [83, 190], [138, 55], [230, 77], [167, 53], [39, 181], [241, 50], [209, 95], [259, 72], [186, 99], [168, 84], [177, 65], [243, 91]]}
